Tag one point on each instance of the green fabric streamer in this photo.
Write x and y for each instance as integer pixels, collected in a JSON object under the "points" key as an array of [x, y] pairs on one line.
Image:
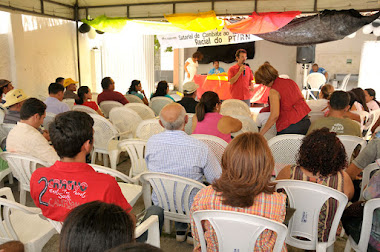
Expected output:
{"points": [[107, 24]]}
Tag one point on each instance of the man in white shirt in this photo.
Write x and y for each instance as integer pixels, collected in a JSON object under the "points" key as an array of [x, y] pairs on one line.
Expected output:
{"points": [[54, 101], [25, 138]]}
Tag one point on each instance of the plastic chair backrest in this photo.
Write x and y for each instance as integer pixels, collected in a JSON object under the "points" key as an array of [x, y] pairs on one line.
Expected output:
{"points": [[103, 131], [173, 193], [315, 80], [316, 115], [69, 102], [136, 151], [350, 143], [368, 171], [234, 107], [157, 103], [83, 108], [113, 173], [345, 82], [248, 125], [141, 109], [125, 120], [48, 119], [215, 144], [237, 231], [189, 124], [148, 128], [22, 167], [373, 117], [285, 150], [308, 198], [106, 106], [133, 98]]}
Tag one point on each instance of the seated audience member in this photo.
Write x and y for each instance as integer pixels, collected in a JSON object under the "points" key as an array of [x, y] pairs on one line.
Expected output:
{"points": [[370, 99], [5, 87], [188, 157], [208, 120], [135, 247], [71, 87], [360, 103], [54, 102], [162, 90], [60, 80], [324, 96], [136, 89], [72, 136], [335, 122], [25, 138], [352, 218], [322, 159], [216, 69], [189, 93], [12, 246], [109, 94], [96, 226], [15, 98], [84, 98], [245, 186], [354, 106], [316, 69]]}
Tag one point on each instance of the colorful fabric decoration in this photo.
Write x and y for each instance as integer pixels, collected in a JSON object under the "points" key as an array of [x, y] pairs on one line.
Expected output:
{"points": [[200, 22], [329, 25], [258, 23], [107, 24]]}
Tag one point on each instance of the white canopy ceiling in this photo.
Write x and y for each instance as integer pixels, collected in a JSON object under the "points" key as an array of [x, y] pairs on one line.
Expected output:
{"points": [[153, 9]]}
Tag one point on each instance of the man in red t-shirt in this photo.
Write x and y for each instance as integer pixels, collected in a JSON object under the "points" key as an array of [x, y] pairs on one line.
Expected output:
{"points": [[109, 94], [240, 77]]}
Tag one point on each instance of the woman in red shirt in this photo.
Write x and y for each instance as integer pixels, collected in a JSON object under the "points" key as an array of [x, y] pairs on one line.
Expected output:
{"points": [[85, 97], [288, 108]]}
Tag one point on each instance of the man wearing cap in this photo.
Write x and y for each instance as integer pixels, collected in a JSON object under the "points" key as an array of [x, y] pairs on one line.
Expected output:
{"points": [[189, 93], [54, 101], [70, 86], [14, 100], [5, 87]]}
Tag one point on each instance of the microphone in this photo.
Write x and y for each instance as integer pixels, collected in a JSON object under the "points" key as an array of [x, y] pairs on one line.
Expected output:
{"points": [[244, 69]]}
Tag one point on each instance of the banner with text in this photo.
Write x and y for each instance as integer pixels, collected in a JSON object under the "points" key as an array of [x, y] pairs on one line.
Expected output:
{"points": [[187, 39]]}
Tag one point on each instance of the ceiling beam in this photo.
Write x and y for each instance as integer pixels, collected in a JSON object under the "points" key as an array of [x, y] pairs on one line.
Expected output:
{"points": [[61, 4], [7, 7]]}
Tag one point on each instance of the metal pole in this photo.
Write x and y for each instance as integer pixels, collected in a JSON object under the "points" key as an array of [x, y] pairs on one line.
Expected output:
{"points": [[76, 14]]}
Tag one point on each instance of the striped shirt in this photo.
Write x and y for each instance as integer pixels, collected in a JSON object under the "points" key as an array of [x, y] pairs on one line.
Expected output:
{"points": [[12, 117], [271, 206], [175, 152]]}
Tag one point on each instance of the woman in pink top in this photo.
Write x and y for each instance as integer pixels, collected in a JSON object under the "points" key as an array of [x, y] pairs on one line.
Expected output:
{"points": [[208, 120]]}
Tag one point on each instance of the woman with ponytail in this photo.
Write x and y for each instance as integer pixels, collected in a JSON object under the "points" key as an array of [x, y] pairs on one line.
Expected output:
{"points": [[370, 99], [85, 97], [208, 120]]}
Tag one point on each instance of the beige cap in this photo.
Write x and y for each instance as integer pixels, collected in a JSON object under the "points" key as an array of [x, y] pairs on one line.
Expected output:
{"points": [[190, 87], [14, 96]]}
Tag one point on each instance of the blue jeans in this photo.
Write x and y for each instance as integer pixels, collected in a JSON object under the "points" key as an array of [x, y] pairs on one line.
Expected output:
{"points": [[152, 210]]}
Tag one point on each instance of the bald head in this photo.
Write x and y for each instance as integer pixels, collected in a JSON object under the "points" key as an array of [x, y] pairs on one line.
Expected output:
{"points": [[173, 117]]}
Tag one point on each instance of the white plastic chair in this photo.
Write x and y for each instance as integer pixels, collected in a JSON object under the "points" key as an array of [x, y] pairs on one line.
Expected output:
{"points": [[22, 167], [350, 143], [5, 128], [315, 80], [237, 231], [130, 190], [83, 108], [344, 83], [133, 99], [125, 120], [136, 151], [364, 116], [285, 150], [69, 102], [368, 171], [106, 106], [173, 194], [216, 144], [308, 198], [2, 115], [141, 109], [316, 115], [248, 125], [189, 124], [157, 103], [48, 119], [233, 107], [365, 233], [148, 128], [24, 224], [374, 115]]}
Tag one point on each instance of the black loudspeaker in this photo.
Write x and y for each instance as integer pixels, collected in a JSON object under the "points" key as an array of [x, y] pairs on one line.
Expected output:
{"points": [[306, 54]]}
